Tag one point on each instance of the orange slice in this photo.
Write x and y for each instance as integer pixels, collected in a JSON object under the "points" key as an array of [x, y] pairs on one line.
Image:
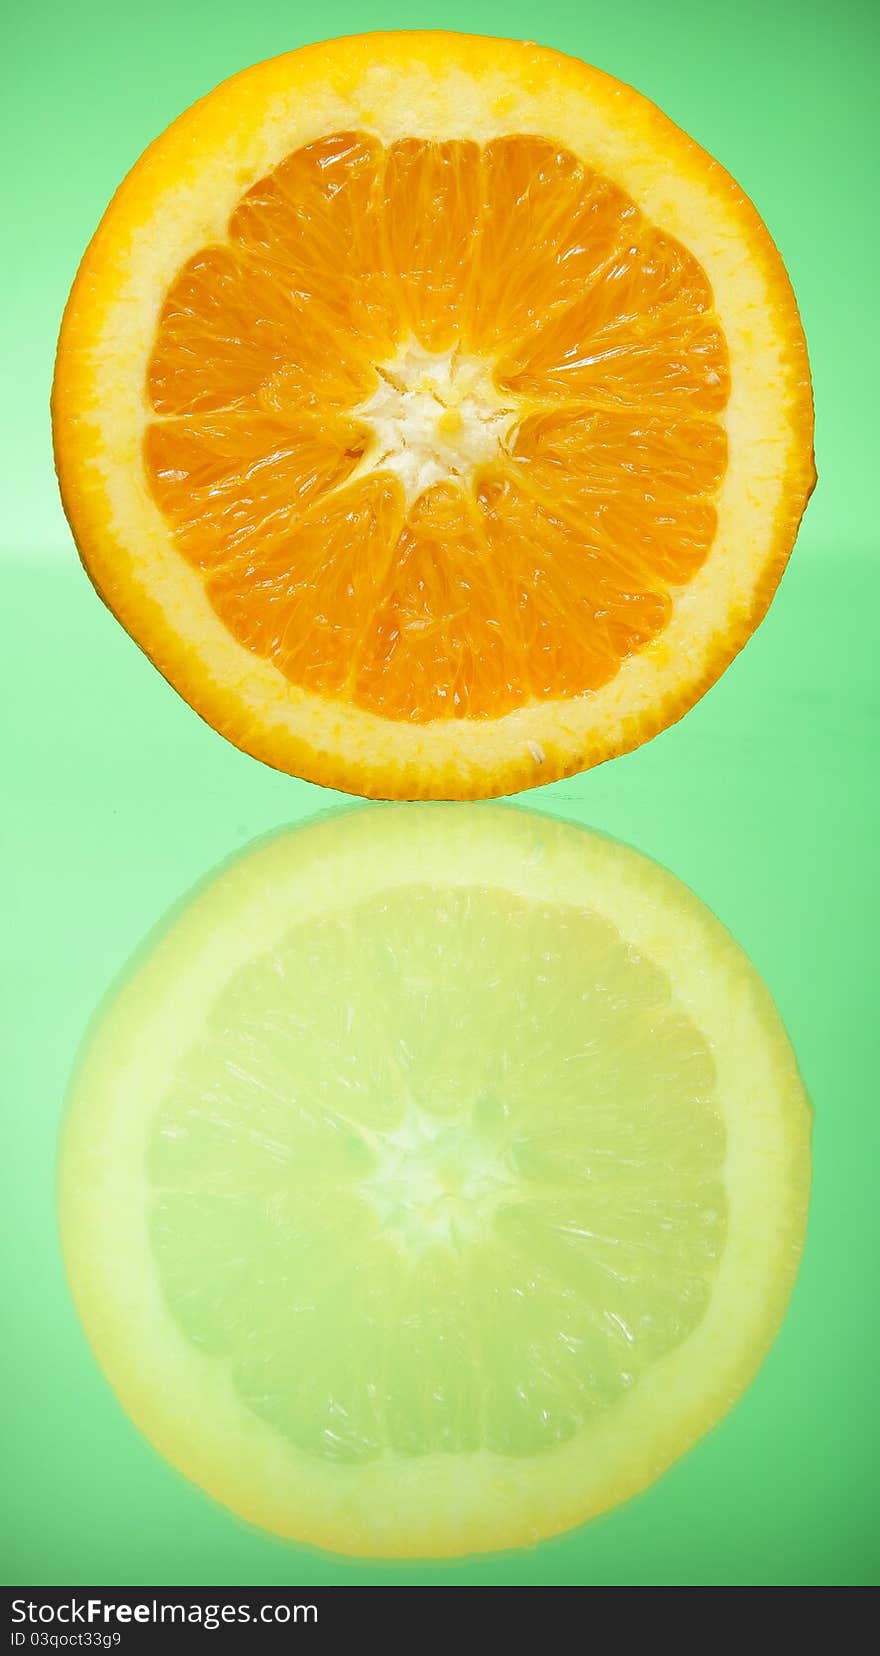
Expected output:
{"points": [[436, 1178], [434, 413]]}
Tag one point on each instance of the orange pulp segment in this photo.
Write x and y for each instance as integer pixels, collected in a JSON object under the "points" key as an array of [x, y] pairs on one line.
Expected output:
{"points": [[440, 424]]}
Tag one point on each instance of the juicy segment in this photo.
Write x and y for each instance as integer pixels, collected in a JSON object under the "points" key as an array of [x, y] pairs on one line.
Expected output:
{"points": [[579, 377], [442, 1173]]}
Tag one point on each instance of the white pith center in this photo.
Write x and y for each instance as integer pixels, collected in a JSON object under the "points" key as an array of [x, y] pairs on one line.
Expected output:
{"points": [[435, 1182], [434, 416]]}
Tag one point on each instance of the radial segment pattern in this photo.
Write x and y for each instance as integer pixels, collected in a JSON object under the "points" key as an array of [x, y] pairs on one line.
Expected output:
{"points": [[442, 1173], [440, 425]]}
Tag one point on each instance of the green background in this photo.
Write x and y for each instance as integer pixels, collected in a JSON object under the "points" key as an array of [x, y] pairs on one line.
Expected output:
{"points": [[763, 800]]}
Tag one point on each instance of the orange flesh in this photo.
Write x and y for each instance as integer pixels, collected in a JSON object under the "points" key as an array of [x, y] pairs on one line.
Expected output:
{"points": [[535, 574]]}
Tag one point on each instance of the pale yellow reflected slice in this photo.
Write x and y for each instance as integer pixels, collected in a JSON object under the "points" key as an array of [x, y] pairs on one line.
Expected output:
{"points": [[437, 1177]]}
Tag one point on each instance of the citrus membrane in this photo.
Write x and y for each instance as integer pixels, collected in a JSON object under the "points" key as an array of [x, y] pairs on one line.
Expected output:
{"points": [[436, 1178]]}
